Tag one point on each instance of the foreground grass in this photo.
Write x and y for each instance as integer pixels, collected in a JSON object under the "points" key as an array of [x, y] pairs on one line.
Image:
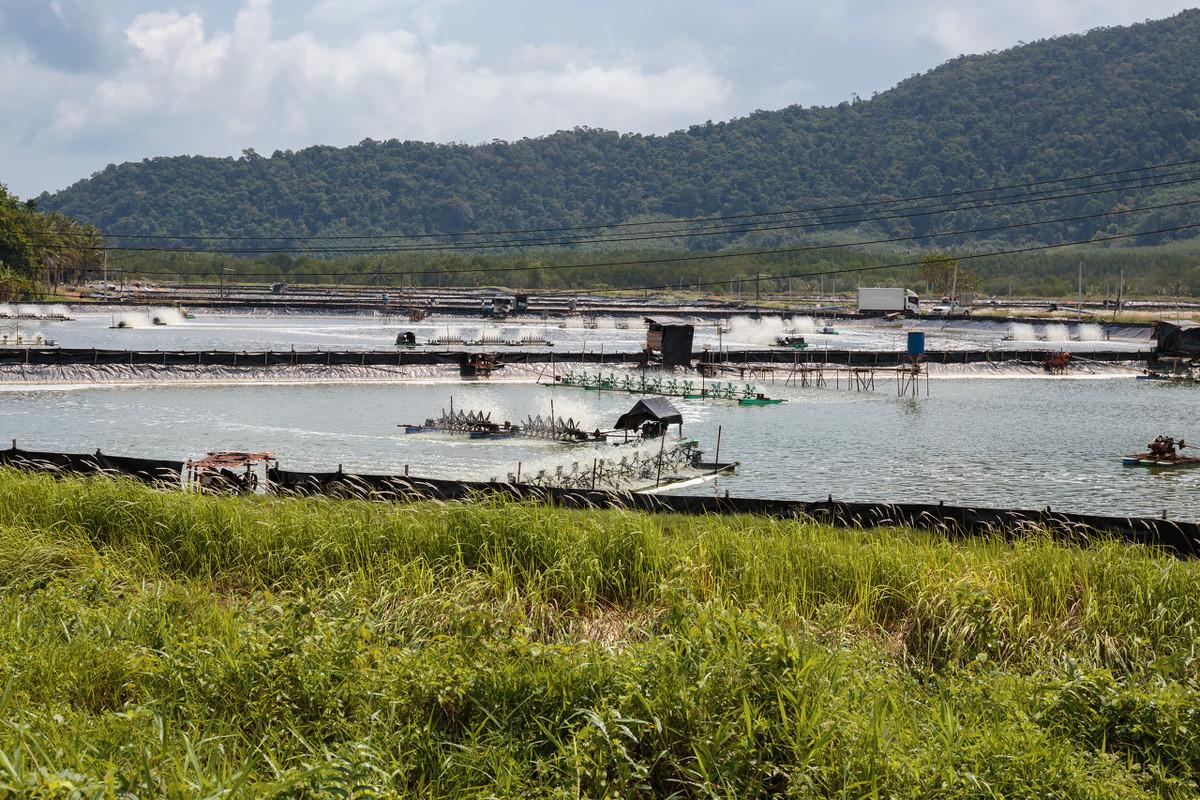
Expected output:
{"points": [[161, 644]]}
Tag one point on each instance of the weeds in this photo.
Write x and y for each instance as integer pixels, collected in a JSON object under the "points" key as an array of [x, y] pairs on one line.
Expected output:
{"points": [[156, 644]]}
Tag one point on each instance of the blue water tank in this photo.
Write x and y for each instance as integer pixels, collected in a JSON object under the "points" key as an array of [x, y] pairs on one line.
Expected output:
{"points": [[916, 343]]}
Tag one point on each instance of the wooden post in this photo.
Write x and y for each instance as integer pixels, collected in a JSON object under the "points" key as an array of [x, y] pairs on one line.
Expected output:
{"points": [[717, 457], [661, 446], [518, 472], [594, 462]]}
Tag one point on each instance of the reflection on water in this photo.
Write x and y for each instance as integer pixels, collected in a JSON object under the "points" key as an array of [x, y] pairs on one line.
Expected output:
{"points": [[1027, 443]]}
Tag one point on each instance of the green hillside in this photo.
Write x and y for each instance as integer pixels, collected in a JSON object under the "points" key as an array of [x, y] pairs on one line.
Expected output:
{"points": [[1107, 100]]}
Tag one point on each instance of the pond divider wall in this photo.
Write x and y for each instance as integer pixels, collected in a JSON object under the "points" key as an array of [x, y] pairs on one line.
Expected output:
{"points": [[1179, 538], [63, 356]]}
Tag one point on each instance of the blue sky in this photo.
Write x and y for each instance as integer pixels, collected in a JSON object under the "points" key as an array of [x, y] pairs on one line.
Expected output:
{"points": [[92, 82]]}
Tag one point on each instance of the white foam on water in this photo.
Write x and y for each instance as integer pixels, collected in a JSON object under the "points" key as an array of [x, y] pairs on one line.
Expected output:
{"points": [[803, 324], [134, 319], [1022, 332], [755, 331], [1090, 332], [1056, 333], [168, 316]]}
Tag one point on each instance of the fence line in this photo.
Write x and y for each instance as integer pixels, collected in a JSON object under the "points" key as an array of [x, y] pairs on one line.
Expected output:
{"points": [[1179, 538], [63, 356]]}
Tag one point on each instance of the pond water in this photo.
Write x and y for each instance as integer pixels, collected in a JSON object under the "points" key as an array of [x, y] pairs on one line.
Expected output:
{"points": [[1029, 442], [271, 331]]}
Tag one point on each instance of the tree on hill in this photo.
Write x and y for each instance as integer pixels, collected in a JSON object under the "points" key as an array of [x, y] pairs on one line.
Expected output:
{"points": [[1112, 99]]}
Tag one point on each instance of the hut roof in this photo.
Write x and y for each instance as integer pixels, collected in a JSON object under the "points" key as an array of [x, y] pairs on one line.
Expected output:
{"points": [[230, 460], [651, 408]]}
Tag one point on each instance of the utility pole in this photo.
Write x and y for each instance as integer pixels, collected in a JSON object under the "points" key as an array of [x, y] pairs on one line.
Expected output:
{"points": [[757, 292], [1120, 294]]}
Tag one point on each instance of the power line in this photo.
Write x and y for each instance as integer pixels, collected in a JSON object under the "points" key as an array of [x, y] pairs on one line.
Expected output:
{"points": [[900, 265], [1191, 177], [714, 256], [678, 221]]}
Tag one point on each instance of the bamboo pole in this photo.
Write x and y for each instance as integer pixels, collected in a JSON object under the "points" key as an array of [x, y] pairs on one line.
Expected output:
{"points": [[661, 446]]}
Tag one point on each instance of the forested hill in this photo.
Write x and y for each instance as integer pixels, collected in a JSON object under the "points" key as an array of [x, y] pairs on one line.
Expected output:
{"points": [[1109, 99]]}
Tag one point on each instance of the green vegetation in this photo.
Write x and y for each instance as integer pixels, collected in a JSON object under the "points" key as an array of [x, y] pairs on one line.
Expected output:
{"points": [[51, 248], [1171, 270], [1111, 99], [182, 646]]}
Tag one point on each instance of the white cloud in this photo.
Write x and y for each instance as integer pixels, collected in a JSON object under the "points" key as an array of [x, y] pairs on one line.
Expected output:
{"points": [[92, 86], [955, 27], [221, 91]]}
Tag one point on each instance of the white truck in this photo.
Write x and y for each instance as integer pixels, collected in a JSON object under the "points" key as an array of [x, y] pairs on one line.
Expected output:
{"points": [[874, 302]]}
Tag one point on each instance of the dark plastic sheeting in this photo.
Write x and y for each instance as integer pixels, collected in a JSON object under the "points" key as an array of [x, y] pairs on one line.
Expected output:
{"points": [[1179, 538], [61, 356], [147, 470]]}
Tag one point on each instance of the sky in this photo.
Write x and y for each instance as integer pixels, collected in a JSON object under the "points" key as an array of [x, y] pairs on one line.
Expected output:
{"points": [[86, 83]]}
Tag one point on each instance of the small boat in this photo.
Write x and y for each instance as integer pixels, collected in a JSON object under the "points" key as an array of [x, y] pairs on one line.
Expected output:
{"points": [[828, 331], [759, 400]]}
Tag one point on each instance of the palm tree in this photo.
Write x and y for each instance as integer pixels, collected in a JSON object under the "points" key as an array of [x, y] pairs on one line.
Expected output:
{"points": [[67, 249]]}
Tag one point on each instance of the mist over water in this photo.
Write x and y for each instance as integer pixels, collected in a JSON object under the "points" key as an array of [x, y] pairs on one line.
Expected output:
{"points": [[167, 316], [133, 320], [1056, 333], [1022, 332], [1090, 332], [746, 330]]}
